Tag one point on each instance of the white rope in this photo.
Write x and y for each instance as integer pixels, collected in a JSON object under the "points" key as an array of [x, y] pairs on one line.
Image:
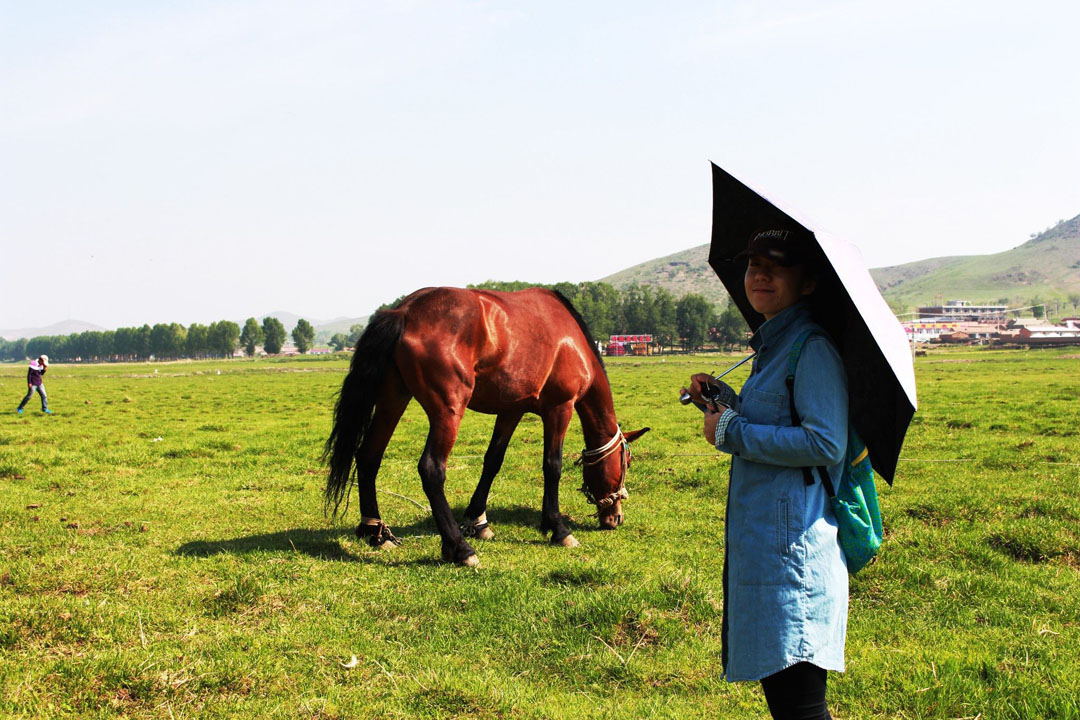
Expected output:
{"points": [[650, 455], [600, 453]]}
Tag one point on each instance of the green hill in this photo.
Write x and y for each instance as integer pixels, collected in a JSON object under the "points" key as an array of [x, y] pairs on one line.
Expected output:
{"points": [[684, 272], [1045, 267]]}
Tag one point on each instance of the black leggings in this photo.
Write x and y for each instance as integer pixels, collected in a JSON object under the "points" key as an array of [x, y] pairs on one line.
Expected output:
{"points": [[797, 693]]}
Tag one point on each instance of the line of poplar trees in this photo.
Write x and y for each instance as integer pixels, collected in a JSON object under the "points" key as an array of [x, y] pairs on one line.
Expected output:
{"points": [[689, 322], [162, 341]]}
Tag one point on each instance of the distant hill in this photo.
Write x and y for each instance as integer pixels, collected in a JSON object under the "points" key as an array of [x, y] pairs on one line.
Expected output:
{"points": [[330, 328], [1046, 266], [340, 325], [64, 327], [684, 272], [324, 329], [287, 319]]}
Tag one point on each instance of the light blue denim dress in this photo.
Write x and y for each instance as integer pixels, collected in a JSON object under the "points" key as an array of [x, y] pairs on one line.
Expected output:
{"points": [[786, 581]]}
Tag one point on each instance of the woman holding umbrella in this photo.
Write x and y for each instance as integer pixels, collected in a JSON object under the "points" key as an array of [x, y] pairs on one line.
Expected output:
{"points": [[785, 577]]}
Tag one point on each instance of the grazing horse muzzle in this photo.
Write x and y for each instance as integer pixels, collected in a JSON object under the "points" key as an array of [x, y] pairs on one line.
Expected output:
{"points": [[613, 519], [608, 507]]}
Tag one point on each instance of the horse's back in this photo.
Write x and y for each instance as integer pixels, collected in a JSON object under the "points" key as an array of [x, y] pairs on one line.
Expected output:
{"points": [[459, 315], [509, 347]]}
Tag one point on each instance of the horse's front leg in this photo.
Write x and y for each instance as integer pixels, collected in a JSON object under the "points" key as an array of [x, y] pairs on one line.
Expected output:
{"points": [[555, 423], [432, 467], [476, 522]]}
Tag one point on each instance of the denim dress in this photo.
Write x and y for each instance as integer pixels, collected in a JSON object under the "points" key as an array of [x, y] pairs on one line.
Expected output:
{"points": [[785, 578]]}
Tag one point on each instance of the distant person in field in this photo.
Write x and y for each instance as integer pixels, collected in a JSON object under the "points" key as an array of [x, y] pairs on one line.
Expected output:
{"points": [[35, 382], [785, 577]]}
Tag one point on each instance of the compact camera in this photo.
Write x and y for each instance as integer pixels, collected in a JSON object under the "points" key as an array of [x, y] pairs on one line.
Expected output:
{"points": [[716, 391]]}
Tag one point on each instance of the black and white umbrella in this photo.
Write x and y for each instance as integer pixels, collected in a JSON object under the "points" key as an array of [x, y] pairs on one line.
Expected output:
{"points": [[847, 303]]}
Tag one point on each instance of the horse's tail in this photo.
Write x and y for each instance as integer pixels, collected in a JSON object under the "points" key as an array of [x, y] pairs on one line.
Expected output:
{"points": [[356, 402]]}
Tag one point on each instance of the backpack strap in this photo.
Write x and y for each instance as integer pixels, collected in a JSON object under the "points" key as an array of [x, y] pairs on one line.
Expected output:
{"points": [[793, 361]]}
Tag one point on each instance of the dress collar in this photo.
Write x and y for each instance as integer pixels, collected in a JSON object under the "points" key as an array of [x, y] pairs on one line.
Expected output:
{"points": [[772, 329]]}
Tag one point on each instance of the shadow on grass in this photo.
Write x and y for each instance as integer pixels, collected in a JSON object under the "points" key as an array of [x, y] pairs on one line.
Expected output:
{"points": [[519, 515], [322, 544], [326, 544]]}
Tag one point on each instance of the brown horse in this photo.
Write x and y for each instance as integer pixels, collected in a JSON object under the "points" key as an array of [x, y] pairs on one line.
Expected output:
{"points": [[504, 354]]}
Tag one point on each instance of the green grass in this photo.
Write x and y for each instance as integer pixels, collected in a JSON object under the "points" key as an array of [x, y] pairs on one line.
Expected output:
{"points": [[164, 554]]}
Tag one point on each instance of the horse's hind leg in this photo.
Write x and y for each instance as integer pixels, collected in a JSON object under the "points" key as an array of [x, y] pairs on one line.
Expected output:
{"points": [[476, 524], [432, 467], [388, 410], [555, 423]]}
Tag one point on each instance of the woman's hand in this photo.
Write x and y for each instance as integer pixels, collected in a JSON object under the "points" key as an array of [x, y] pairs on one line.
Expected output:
{"points": [[697, 380], [712, 417]]}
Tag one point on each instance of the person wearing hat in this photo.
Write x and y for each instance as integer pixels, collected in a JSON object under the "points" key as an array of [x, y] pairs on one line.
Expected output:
{"points": [[785, 578], [34, 382]]}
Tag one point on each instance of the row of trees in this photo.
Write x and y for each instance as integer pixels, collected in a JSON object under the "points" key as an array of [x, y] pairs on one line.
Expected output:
{"points": [[1055, 306], [162, 341], [271, 335], [689, 321]]}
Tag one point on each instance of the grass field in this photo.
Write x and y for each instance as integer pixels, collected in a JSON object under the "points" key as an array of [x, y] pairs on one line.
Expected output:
{"points": [[164, 553]]}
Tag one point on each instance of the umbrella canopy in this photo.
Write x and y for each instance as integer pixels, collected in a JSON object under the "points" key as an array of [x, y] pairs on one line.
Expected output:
{"points": [[847, 303]]}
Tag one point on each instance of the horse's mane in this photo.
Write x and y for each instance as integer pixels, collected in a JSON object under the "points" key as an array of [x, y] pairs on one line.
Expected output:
{"points": [[581, 324]]}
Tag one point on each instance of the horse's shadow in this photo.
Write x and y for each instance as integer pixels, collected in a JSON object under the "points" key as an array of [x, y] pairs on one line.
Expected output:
{"points": [[326, 543]]}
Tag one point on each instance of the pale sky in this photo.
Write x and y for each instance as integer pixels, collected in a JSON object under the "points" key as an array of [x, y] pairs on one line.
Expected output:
{"points": [[195, 161]]}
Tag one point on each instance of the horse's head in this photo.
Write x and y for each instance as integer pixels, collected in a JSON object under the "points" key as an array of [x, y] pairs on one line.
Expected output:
{"points": [[604, 473]]}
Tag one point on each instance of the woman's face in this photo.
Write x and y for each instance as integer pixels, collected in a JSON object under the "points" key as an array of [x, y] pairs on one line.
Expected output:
{"points": [[772, 287]]}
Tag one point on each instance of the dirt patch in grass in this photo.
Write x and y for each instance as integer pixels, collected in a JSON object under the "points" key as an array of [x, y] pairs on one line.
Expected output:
{"points": [[634, 630]]}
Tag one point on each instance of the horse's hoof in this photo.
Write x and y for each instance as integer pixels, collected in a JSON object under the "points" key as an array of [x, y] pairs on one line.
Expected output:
{"points": [[377, 536], [476, 529], [569, 542], [463, 555]]}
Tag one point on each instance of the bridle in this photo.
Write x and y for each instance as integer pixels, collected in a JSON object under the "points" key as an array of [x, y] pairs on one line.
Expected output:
{"points": [[595, 457]]}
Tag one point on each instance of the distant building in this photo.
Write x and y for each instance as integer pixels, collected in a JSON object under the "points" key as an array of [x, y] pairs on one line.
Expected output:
{"points": [[963, 311], [629, 345], [1049, 335], [932, 331]]}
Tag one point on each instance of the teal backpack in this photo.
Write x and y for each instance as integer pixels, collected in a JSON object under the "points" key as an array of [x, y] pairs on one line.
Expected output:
{"points": [[854, 497]]}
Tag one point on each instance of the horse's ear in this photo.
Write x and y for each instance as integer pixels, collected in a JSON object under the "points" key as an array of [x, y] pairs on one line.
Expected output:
{"points": [[635, 434]]}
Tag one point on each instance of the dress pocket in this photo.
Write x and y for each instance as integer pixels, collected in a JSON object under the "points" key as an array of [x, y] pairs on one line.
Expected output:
{"points": [[763, 408], [783, 527]]}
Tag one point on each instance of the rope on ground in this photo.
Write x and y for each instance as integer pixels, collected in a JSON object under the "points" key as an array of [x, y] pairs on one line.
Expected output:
{"points": [[650, 456], [403, 497], [971, 460]]}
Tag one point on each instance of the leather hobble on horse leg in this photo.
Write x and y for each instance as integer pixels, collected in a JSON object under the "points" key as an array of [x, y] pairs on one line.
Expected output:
{"points": [[477, 527], [376, 532]]}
